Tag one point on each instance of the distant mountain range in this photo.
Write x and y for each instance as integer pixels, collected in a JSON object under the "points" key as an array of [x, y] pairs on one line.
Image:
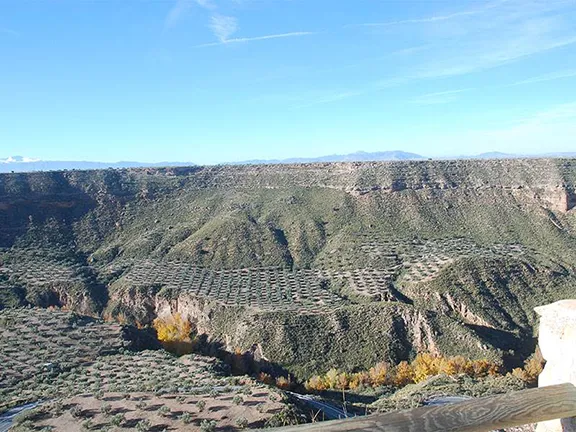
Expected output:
{"points": [[26, 164], [352, 157]]}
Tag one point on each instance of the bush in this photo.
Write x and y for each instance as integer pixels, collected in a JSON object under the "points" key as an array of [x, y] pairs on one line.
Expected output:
{"points": [[143, 426], [242, 422], [164, 411], [201, 404], [106, 409], [186, 418], [76, 411], [117, 419], [208, 426]]}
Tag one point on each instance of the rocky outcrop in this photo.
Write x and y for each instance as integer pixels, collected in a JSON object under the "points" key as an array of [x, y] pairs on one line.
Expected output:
{"points": [[461, 309], [557, 340]]}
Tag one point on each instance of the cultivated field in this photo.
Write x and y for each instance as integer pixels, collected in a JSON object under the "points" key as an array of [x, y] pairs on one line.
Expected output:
{"points": [[86, 377]]}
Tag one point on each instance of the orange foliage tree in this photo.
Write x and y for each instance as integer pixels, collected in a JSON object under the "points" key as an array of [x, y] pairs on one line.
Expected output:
{"points": [[174, 333], [422, 367]]}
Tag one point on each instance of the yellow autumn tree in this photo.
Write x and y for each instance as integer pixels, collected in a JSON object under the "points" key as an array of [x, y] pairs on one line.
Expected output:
{"points": [[379, 374], [403, 374], [284, 383], [425, 365], [343, 381], [482, 368], [331, 378], [316, 383], [532, 368], [174, 333]]}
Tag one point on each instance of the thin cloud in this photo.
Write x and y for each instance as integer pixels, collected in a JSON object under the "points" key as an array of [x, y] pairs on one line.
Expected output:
{"points": [[255, 38], [548, 77], [331, 98], [181, 8], [483, 59], [419, 20], [9, 32], [223, 27], [566, 111], [555, 125], [439, 97], [434, 18]]}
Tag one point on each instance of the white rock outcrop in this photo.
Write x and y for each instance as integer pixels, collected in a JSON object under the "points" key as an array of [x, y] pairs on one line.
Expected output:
{"points": [[557, 340]]}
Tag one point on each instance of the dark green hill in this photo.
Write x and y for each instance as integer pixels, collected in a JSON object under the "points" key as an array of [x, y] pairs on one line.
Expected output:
{"points": [[335, 264]]}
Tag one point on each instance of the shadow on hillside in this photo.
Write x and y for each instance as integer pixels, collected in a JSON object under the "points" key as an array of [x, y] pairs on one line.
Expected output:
{"points": [[516, 348], [28, 209], [250, 362]]}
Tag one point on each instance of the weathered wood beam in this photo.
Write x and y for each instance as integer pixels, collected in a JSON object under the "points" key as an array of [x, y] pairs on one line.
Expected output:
{"points": [[477, 415]]}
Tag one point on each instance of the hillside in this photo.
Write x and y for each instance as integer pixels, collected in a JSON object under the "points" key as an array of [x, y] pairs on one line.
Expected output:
{"points": [[89, 375], [322, 265]]}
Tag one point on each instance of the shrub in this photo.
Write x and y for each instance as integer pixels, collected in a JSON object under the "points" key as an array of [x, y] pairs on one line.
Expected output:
{"points": [[106, 409], [238, 400], [76, 411], [143, 426], [208, 426], [186, 418], [117, 419], [164, 411], [533, 367], [242, 422], [201, 404]]}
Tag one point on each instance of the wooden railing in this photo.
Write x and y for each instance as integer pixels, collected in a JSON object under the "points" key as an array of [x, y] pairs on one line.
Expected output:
{"points": [[476, 415]]}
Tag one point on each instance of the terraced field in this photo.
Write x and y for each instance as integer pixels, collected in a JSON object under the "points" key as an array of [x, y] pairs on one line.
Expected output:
{"points": [[376, 259], [38, 344], [261, 288], [85, 377], [386, 262]]}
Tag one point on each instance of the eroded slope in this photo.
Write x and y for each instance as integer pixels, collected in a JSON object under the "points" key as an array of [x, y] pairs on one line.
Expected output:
{"points": [[322, 265]]}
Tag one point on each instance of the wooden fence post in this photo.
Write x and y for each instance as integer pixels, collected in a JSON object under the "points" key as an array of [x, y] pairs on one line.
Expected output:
{"points": [[557, 341]]}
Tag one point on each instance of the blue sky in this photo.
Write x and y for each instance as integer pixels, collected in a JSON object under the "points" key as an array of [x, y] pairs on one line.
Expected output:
{"points": [[208, 81]]}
